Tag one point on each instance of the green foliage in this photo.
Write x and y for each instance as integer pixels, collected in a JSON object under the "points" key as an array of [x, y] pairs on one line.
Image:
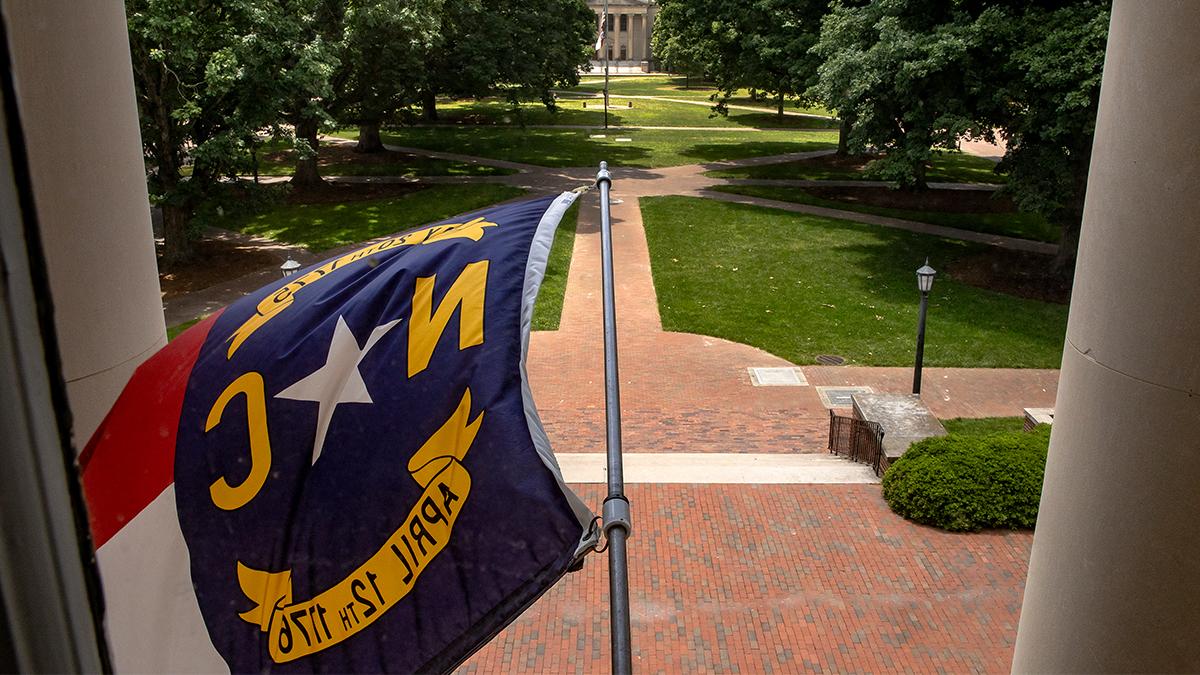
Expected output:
{"points": [[1044, 100], [915, 75], [760, 44], [983, 426], [967, 482], [904, 72], [208, 78], [799, 286], [498, 47], [383, 51]]}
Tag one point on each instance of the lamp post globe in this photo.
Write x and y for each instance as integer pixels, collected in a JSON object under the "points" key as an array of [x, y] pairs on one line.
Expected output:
{"points": [[289, 267], [925, 277]]}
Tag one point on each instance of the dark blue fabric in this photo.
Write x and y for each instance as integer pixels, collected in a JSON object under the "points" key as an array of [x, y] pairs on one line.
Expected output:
{"points": [[515, 533]]}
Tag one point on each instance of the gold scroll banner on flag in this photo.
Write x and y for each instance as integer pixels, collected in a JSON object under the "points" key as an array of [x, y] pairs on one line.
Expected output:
{"points": [[298, 629]]}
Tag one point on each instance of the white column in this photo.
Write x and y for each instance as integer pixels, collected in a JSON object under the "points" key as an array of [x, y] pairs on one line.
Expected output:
{"points": [[1114, 578], [75, 94]]}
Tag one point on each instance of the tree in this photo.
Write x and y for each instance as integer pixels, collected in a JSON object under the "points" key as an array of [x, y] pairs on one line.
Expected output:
{"points": [[1044, 104], [905, 73], [763, 45], [917, 75], [207, 81], [383, 54], [518, 50]]}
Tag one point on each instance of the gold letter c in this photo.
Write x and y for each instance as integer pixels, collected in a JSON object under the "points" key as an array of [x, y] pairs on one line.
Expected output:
{"points": [[225, 496]]}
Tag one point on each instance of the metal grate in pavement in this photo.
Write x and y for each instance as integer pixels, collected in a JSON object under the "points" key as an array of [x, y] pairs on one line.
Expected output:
{"points": [[839, 397]]}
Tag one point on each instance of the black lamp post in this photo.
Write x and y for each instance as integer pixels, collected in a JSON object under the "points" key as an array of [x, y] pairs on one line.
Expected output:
{"points": [[924, 284]]}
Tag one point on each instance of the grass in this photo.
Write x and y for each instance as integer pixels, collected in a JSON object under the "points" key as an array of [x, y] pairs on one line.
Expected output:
{"points": [[678, 86], [282, 163], [1023, 225], [318, 227], [799, 286], [946, 167], [572, 147], [548, 311], [174, 331], [983, 426], [643, 112]]}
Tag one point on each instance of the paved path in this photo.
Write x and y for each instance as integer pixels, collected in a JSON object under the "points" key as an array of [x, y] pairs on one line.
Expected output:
{"points": [[779, 579]]}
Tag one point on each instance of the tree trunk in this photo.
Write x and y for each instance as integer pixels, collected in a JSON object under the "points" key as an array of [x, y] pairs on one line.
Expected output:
{"points": [[919, 182], [781, 107], [307, 173], [844, 128], [177, 248], [368, 137], [429, 106]]}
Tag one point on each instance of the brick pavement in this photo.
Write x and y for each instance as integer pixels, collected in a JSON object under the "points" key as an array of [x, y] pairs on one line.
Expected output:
{"points": [[780, 579], [692, 393]]}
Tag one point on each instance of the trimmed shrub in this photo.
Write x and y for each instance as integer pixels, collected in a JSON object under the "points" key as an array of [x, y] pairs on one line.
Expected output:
{"points": [[969, 482]]}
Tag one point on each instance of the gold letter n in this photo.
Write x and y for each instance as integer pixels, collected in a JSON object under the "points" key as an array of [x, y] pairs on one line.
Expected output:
{"points": [[427, 325]]}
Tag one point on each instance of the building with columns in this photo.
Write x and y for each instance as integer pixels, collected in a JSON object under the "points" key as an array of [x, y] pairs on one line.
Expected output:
{"points": [[630, 25]]}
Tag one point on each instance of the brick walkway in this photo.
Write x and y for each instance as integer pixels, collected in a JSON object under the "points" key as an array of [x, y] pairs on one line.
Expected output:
{"points": [[692, 393], [787, 579]]}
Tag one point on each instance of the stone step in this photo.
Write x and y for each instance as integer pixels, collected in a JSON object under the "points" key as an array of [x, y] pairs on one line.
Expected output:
{"points": [[717, 468]]}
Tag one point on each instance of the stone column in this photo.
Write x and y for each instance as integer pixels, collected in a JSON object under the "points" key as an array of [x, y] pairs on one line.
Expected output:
{"points": [[75, 95], [1114, 578], [635, 36]]}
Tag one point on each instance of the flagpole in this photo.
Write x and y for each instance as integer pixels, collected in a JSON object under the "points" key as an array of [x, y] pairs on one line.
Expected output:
{"points": [[605, 33], [616, 507]]}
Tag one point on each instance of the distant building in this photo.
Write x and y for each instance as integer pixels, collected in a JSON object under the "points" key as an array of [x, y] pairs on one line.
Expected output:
{"points": [[630, 25]]}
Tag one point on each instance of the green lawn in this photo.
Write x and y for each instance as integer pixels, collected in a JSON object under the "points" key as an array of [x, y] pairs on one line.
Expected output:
{"points": [[677, 86], [643, 112], [574, 147], [799, 286], [318, 227], [1023, 225], [174, 331], [548, 311], [946, 167], [983, 426], [277, 159]]}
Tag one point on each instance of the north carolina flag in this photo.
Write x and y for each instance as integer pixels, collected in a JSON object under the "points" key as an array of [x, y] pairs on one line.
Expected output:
{"points": [[343, 471]]}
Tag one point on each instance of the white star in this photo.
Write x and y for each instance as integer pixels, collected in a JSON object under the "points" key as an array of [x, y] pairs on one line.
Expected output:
{"points": [[338, 381]]}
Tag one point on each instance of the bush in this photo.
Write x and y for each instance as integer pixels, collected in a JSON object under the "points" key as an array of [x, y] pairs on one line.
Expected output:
{"points": [[968, 482]]}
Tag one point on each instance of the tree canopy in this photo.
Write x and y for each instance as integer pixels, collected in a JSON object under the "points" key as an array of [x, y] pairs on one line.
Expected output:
{"points": [[917, 76], [762, 45]]}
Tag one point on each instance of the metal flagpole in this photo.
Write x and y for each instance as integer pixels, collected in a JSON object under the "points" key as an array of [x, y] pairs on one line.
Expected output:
{"points": [[617, 526], [605, 67]]}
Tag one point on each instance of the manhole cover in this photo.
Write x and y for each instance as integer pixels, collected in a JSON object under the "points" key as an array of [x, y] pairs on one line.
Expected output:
{"points": [[839, 397], [777, 377], [830, 360]]}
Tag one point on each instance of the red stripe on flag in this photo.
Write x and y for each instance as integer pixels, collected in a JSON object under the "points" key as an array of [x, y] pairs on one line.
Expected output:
{"points": [[130, 459]]}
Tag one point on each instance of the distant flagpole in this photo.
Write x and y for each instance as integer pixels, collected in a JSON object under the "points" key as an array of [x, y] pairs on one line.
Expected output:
{"points": [[605, 27], [616, 507]]}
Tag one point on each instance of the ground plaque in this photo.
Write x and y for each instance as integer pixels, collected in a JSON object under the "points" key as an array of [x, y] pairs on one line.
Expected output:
{"points": [[904, 419], [777, 377]]}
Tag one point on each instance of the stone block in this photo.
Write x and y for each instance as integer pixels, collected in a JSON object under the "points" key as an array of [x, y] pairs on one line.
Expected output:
{"points": [[904, 419]]}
